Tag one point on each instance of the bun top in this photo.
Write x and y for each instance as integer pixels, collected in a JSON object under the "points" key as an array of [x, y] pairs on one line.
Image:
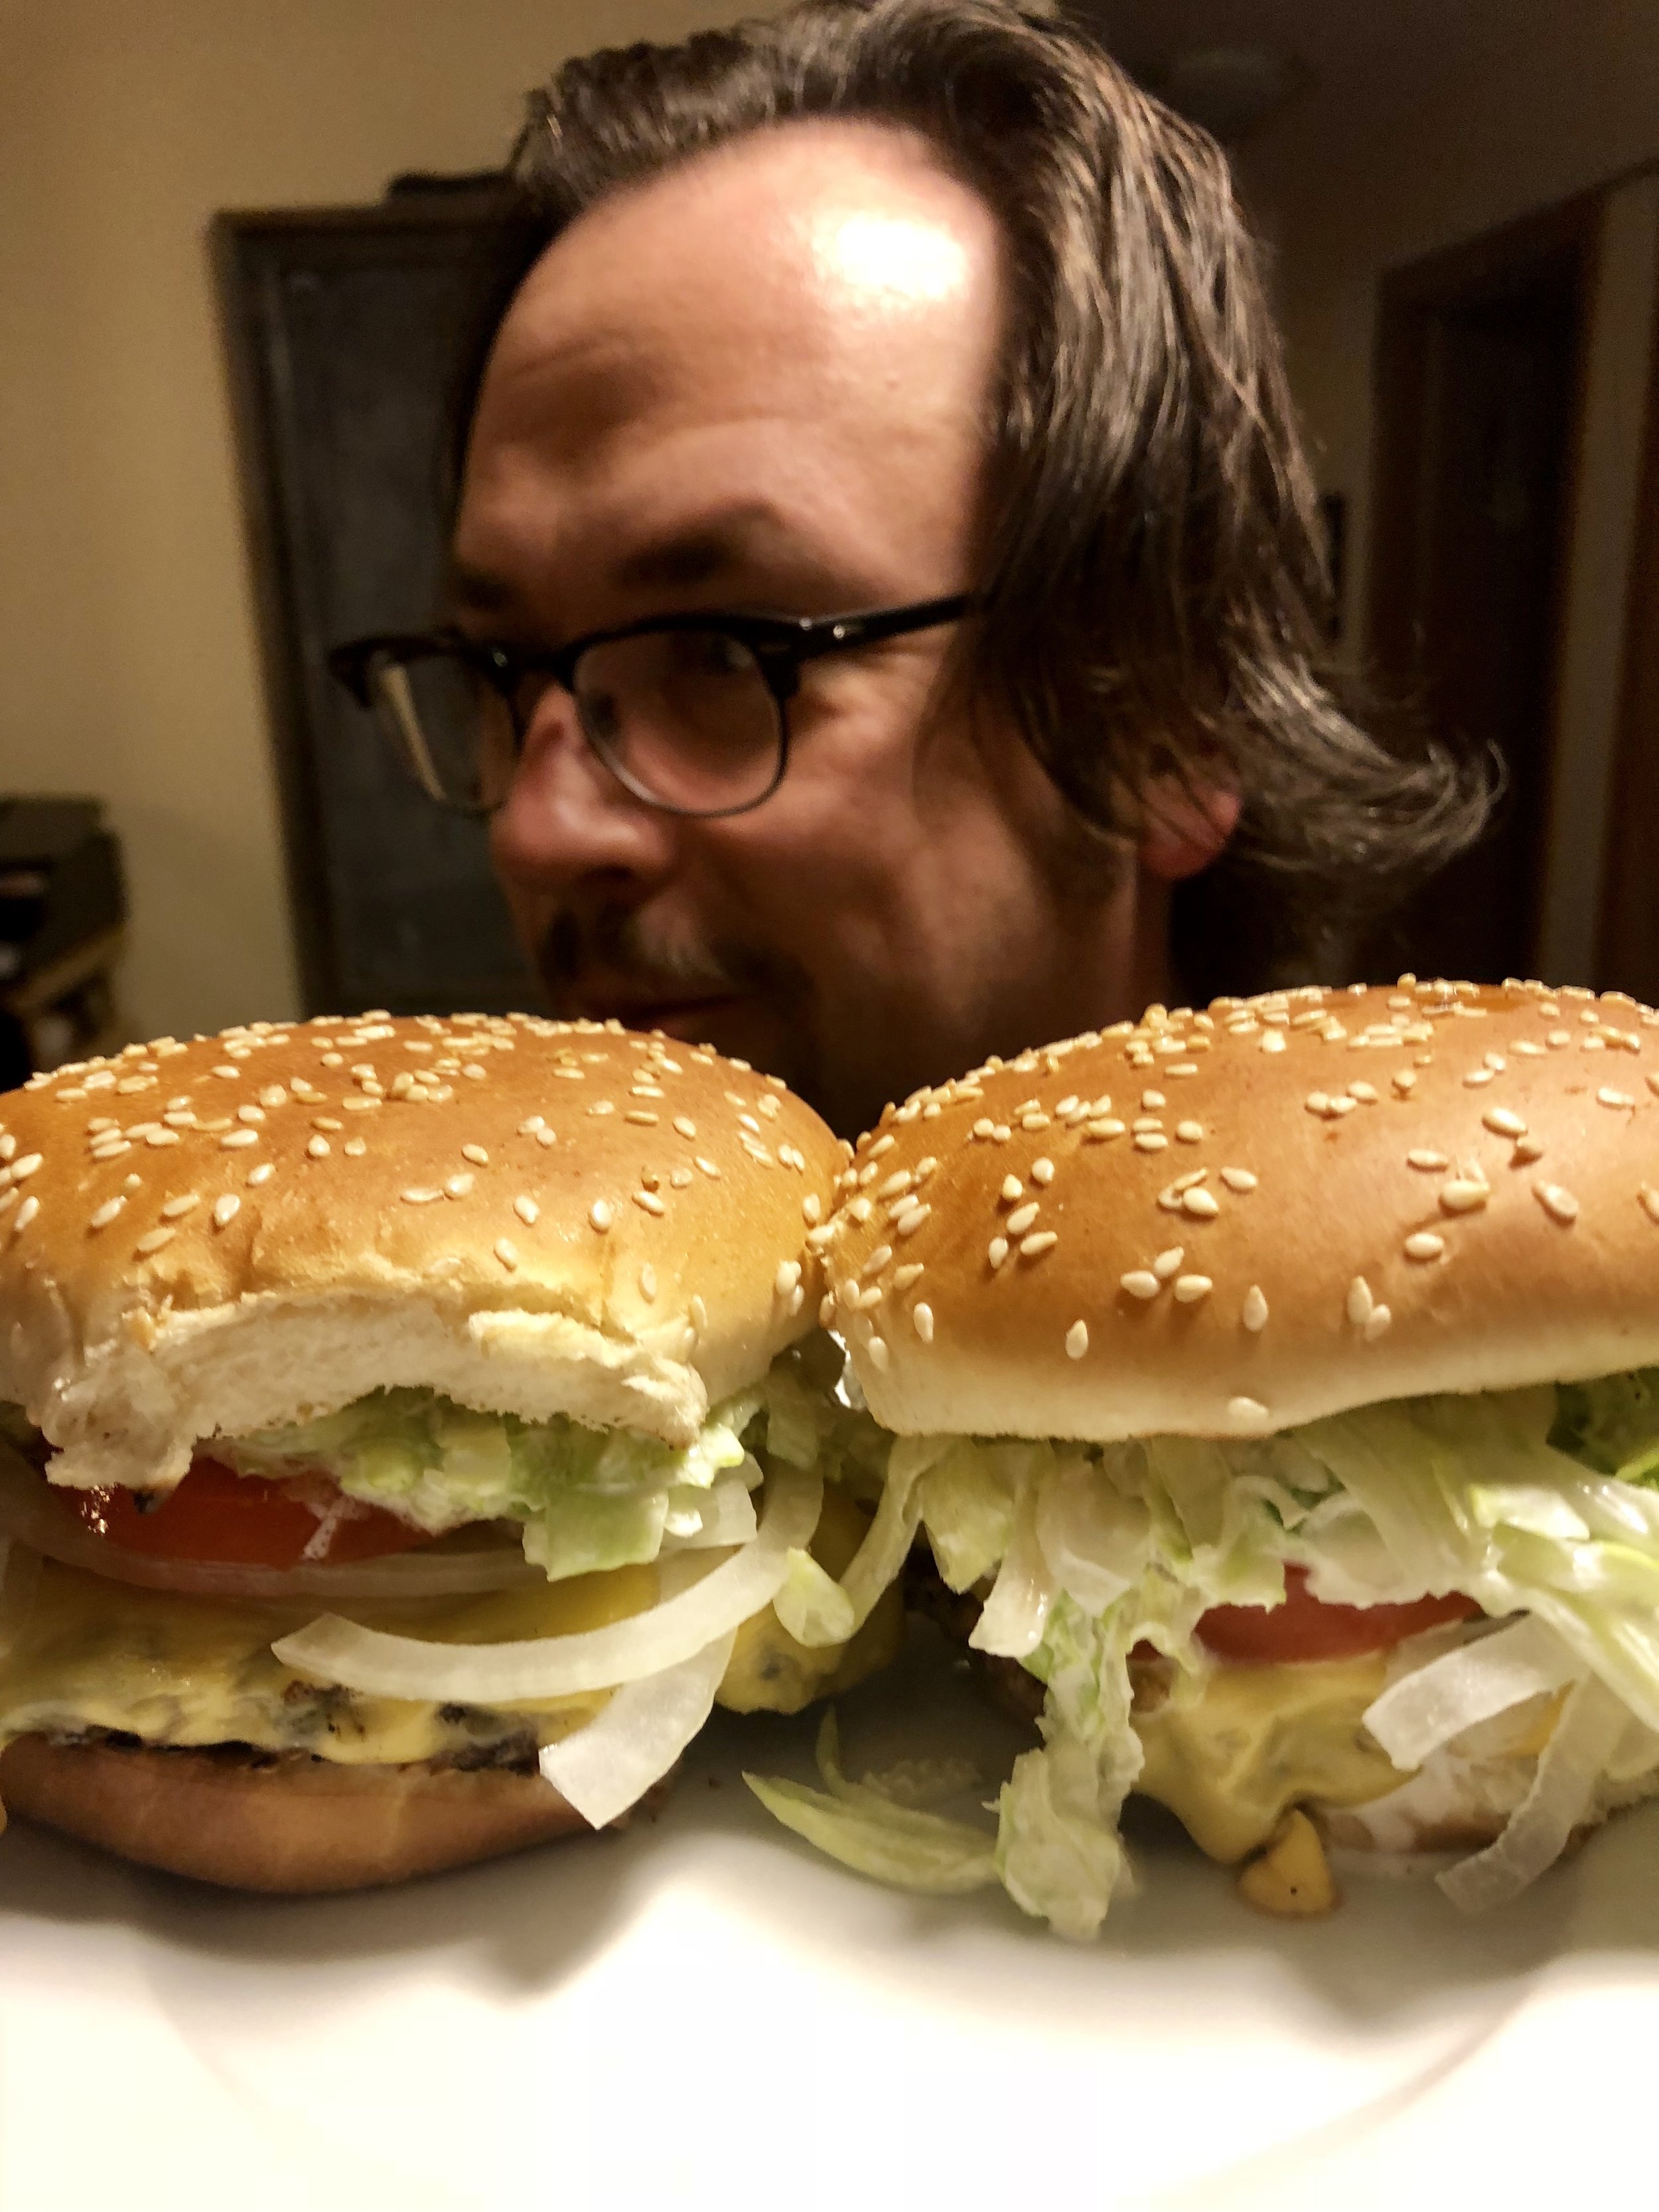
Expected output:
{"points": [[1228, 1222], [532, 1216]]}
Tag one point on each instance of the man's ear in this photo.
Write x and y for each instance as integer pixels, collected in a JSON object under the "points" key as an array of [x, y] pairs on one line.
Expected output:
{"points": [[1184, 827]]}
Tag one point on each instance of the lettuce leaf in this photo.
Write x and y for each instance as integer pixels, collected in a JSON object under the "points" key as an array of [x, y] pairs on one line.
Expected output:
{"points": [[1540, 1502], [588, 1499]]}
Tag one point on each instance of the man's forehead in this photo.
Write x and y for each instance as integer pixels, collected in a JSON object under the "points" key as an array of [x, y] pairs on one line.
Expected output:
{"points": [[793, 256]]}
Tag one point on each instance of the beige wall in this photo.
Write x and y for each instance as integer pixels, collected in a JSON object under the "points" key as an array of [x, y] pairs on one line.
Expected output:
{"points": [[1571, 101], [127, 661], [1571, 106]]}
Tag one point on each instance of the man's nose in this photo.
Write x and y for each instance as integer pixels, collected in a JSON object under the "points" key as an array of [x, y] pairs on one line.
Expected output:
{"points": [[566, 817]]}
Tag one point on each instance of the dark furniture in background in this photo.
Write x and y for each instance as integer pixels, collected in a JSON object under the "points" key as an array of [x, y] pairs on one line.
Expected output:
{"points": [[346, 330], [62, 912]]}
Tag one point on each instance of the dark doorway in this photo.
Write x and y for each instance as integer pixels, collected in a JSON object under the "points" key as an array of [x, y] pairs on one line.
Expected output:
{"points": [[1478, 374]]}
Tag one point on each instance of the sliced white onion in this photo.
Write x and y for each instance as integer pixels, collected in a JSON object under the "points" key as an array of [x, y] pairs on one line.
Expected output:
{"points": [[1426, 1708], [366, 1659], [609, 1766], [1571, 1763], [728, 1516], [1014, 1616]]}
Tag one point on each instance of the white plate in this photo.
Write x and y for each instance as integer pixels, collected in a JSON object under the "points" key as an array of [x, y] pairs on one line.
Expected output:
{"points": [[703, 2013]]}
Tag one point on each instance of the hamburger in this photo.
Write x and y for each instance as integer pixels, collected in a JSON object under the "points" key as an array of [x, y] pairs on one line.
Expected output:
{"points": [[410, 1428], [1276, 1391]]}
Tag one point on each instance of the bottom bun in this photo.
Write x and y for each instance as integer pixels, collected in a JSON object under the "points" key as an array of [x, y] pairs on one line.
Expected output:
{"points": [[289, 1823]]}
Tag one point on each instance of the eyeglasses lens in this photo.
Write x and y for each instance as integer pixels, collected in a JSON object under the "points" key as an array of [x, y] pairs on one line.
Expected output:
{"points": [[454, 730], [684, 717]]}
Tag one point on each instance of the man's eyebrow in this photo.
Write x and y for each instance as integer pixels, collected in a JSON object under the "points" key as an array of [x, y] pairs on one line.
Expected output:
{"points": [[689, 558]]}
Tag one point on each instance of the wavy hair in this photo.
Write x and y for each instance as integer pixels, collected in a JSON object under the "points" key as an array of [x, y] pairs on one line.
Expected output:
{"points": [[1157, 605]]}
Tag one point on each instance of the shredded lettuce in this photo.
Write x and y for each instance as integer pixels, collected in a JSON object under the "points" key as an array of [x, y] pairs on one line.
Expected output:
{"points": [[860, 1824], [587, 1499], [1542, 1503]]}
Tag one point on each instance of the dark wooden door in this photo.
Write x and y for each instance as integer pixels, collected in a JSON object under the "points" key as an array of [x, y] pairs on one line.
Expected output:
{"points": [[1478, 372], [349, 329]]}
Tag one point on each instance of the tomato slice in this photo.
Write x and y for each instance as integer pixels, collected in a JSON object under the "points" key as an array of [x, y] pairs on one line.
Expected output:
{"points": [[1304, 1627], [243, 1520]]}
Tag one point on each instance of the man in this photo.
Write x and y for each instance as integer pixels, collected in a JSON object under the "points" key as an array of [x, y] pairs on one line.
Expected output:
{"points": [[921, 309]]}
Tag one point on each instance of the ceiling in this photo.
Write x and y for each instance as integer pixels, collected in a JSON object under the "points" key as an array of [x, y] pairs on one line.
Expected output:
{"points": [[1359, 62]]}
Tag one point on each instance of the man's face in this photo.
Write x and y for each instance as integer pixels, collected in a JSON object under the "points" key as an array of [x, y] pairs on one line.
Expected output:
{"points": [[764, 382]]}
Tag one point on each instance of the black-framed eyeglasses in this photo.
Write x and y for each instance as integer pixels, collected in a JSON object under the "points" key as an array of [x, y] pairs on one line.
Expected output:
{"points": [[688, 712]]}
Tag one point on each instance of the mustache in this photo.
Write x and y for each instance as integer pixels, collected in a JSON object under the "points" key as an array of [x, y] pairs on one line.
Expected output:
{"points": [[615, 941]]}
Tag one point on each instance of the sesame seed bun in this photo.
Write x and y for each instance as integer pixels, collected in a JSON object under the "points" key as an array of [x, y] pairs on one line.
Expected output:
{"points": [[531, 1217], [291, 1824], [1231, 1221]]}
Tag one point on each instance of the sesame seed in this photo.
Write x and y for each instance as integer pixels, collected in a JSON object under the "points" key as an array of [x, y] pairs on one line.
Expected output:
{"points": [[877, 1260], [1423, 1244], [1366, 1093], [176, 1208], [1203, 1203], [529, 1129], [106, 1212], [1167, 1263], [526, 1209], [236, 1139], [1253, 1312], [1464, 1195], [788, 1276], [1189, 1288], [1190, 1132], [153, 1239], [1077, 1340], [23, 1169], [709, 1169], [112, 1150], [1650, 1201], [264, 1171], [600, 1215], [1619, 1099], [903, 1277], [997, 1251], [1022, 1217], [545, 1137], [1316, 1101], [921, 1320], [1151, 1100], [648, 1202], [458, 1186], [1011, 1187], [859, 1211], [318, 1148], [1360, 1301], [226, 1209], [1429, 1163], [1240, 1179], [227, 1074], [1503, 1122], [419, 1194], [878, 1353], [1105, 1127], [1149, 1141], [902, 1181], [26, 1213], [1375, 1321], [1042, 1173], [826, 1309], [1141, 1283], [908, 1224], [1557, 1202], [1247, 1412], [1558, 1039], [1001, 1134], [812, 1207], [1148, 1121], [476, 1154], [1272, 1041]]}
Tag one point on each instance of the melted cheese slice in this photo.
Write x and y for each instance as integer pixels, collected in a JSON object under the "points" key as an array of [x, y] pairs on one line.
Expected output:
{"points": [[187, 1670], [1229, 1752], [191, 1670]]}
